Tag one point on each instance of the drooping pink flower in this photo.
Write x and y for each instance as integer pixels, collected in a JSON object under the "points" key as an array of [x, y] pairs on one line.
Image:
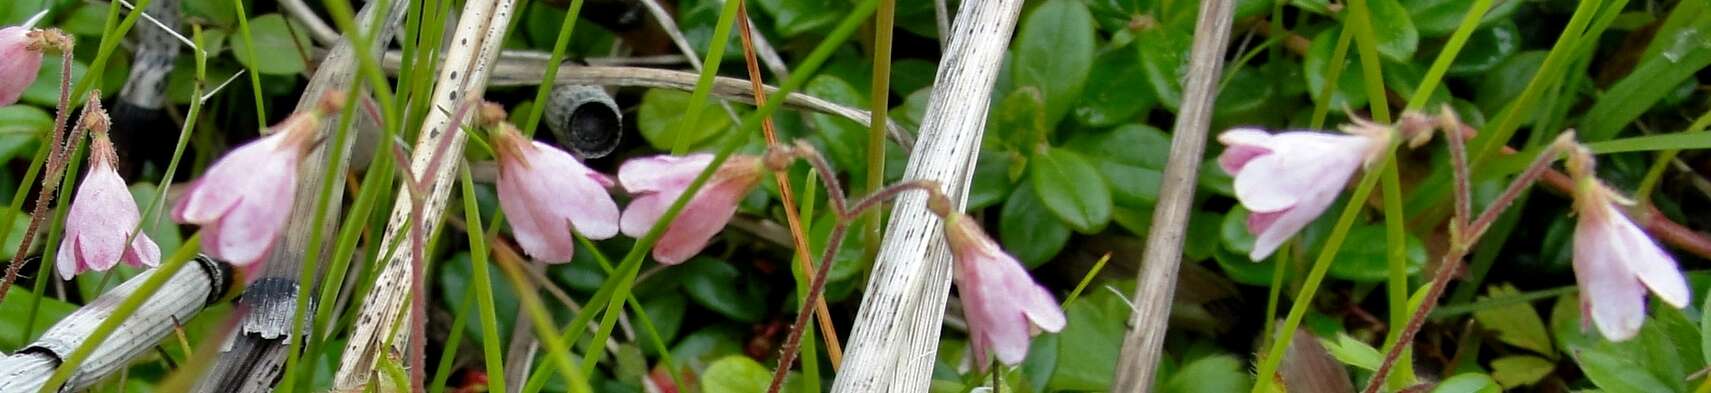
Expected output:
{"points": [[243, 201], [20, 60], [1286, 180], [546, 192], [101, 219], [1614, 261], [1005, 308], [657, 181]]}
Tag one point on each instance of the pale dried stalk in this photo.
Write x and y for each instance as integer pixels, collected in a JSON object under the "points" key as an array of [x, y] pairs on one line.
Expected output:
{"points": [[1159, 263], [896, 333], [254, 357], [183, 295], [474, 47]]}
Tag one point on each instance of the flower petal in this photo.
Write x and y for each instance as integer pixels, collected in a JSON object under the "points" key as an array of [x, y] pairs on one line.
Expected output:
{"points": [[542, 236], [564, 187], [66, 261], [703, 217], [1242, 145], [143, 252], [242, 174], [661, 172], [1654, 267], [248, 230], [1614, 296], [646, 209]]}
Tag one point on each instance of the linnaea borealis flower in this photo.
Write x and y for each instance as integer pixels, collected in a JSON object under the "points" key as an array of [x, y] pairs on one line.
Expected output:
{"points": [[1614, 261], [546, 192], [657, 181], [21, 50], [243, 201], [1005, 308], [1286, 180], [103, 214]]}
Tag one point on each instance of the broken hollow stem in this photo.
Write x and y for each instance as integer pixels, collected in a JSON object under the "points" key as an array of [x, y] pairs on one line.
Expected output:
{"points": [[779, 159], [1463, 238]]}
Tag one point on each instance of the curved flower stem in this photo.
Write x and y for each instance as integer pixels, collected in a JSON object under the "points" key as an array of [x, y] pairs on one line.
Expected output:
{"points": [[845, 214], [1462, 240]]}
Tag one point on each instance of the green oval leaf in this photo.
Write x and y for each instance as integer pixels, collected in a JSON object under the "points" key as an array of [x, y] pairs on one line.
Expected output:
{"points": [[1130, 157], [1397, 38], [275, 54], [1487, 48], [1054, 51], [1351, 87], [1364, 255], [1120, 94], [1028, 230], [1072, 189], [661, 110], [718, 286]]}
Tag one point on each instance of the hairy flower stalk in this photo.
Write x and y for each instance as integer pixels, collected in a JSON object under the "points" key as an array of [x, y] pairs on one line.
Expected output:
{"points": [[657, 181], [244, 199], [1005, 307], [1288, 179], [547, 192], [57, 149], [1614, 261], [99, 227]]}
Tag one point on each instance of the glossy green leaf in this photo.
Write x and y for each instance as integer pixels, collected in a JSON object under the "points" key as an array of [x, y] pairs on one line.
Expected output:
{"points": [[453, 281], [1115, 15], [275, 53], [1071, 188], [1516, 324], [1019, 121], [1505, 82], [1087, 347], [1249, 91], [1028, 229], [1119, 92], [1212, 374], [992, 182], [666, 311], [735, 374], [1054, 49], [1617, 374], [659, 113], [1351, 88], [21, 128], [1364, 256], [1131, 158], [1163, 53], [1436, 18], [1517, 371], [1397, 37], [795, 17], [844, 141], [718, 286], [1468, 383], [1487, 48]]}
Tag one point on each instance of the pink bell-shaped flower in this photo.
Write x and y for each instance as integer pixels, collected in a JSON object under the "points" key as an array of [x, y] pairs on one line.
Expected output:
{"points": [[1005, 308], [1286, 180], [20, 60], [1614, 261], [243, 201], [657, 181], [101, 219], [546, 192]]}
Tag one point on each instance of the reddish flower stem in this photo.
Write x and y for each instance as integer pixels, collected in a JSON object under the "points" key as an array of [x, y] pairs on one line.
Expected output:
{"points": [[58, 149], [842, 208], [1462, 240]]}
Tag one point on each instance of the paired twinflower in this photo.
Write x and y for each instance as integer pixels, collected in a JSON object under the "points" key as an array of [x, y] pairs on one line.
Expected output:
{"points": [[243, 201], [1286, 180], [99, 228], [1614, 261], [21, 49]]}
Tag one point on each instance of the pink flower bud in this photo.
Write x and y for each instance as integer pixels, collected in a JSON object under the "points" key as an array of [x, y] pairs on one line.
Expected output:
{"points": [[101, 218], [1005, 308], [657, 182], [1288, 179], [19, 63], [243, 200], [1614, 261], [546, 192]]}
